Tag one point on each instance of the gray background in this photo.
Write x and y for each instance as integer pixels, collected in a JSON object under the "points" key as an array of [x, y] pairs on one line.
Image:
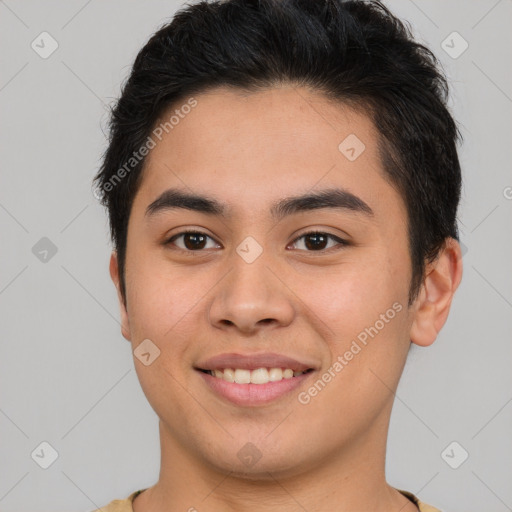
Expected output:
{"points": [[67, 375]]}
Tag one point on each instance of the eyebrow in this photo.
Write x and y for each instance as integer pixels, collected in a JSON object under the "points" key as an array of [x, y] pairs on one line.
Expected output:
{"points": [[336, 198]]}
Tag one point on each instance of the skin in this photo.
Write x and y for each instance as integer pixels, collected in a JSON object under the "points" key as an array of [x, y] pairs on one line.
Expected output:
{"points": [[249, 150]]}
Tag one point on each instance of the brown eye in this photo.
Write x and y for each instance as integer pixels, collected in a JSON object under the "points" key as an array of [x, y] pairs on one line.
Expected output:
{"points": [[191, 240], [317, 241]]}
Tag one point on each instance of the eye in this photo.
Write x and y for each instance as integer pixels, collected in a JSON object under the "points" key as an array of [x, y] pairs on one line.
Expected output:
{"points": [[315, 241], [192, 240]]}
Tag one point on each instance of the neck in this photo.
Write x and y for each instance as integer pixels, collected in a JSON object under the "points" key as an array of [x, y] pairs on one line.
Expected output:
{"points": [[351, 479]]}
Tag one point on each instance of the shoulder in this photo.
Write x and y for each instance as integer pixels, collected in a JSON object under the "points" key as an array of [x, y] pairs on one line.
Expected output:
{"points": [[423, 507], [122, 505]]}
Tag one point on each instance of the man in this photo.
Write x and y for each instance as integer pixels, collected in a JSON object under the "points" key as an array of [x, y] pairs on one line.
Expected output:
{"points": [[282, 183]]}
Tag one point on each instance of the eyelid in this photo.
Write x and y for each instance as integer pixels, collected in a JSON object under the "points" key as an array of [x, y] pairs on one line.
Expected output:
{"points": [[341, 242], [170, 240]]}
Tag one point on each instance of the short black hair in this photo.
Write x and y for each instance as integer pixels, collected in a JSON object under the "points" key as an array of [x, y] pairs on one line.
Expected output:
{"points": [[354, 52]]}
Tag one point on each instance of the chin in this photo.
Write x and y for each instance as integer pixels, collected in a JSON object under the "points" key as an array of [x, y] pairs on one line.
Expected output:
{"points": [[262, 469]]}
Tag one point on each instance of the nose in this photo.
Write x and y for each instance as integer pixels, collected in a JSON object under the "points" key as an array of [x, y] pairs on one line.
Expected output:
{"points": [[251, 298]]}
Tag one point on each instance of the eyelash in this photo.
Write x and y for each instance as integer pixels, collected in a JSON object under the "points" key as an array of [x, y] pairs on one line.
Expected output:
{"points": [[341, 243]]}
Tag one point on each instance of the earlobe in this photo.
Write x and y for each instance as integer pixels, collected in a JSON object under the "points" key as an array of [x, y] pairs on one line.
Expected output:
{"points": [[114, 274], [433, 303]]}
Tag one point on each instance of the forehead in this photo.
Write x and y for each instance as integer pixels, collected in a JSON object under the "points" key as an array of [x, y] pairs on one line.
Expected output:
{"points": [[290, 123], [250, 147]]}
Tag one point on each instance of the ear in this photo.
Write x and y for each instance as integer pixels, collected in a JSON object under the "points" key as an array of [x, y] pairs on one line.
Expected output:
{"points": [[114, 274], [434, 300]]}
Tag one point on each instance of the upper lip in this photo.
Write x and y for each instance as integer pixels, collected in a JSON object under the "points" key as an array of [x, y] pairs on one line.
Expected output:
{"points": [[253, 361]]}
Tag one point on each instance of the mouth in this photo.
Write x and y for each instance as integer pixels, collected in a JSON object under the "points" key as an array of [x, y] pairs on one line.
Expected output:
{"points": [[258, 376], [253, 379], [254, 387]]}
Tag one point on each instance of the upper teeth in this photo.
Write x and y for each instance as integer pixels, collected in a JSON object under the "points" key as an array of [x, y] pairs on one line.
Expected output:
{"points": [[258, 376]]}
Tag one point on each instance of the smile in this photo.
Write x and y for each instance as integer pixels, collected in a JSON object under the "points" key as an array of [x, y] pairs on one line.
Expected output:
{"points": [[250, 388], [257, 376]]}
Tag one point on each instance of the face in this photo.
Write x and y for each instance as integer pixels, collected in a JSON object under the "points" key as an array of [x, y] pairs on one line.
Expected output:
{"points": [[324, 283]]}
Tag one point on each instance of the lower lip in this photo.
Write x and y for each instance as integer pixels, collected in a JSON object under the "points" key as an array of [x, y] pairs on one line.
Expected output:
{"points": [[253, 394]]}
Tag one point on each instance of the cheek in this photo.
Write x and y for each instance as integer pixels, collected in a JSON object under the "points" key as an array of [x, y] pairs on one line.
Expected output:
{"points": [[366, 314], [160, 298], [361, 308], [354, 294]]}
